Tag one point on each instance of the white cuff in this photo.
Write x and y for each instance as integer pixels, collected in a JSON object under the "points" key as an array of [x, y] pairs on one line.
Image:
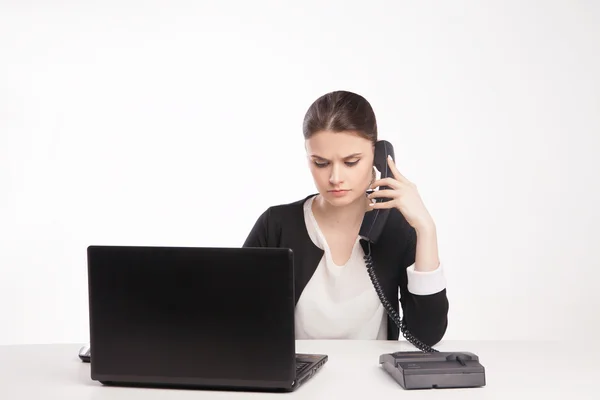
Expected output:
{"points": [[424, 283]]}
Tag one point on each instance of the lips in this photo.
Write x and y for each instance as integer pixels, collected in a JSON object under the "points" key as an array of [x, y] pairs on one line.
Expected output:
{"points": [[338, 192]]}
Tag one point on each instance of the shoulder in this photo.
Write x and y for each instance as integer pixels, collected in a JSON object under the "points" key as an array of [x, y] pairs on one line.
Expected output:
{"points": [[289, 210], [279, 223]]}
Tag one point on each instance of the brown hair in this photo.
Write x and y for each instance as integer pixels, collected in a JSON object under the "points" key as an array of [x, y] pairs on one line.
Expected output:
{"points": [[341, 111]]}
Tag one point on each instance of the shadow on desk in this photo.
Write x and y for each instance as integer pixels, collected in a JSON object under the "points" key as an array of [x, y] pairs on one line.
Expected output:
{"points": [[549, 370]]}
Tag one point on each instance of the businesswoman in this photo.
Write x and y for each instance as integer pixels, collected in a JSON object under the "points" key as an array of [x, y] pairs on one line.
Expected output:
{"points": [[335, 296]]}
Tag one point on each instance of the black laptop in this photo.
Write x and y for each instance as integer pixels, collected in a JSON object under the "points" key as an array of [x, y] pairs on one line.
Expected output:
{"points": [[212, 318]]}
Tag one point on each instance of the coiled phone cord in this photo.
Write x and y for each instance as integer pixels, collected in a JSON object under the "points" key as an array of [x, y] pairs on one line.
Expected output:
{"points": [[391, 312]]}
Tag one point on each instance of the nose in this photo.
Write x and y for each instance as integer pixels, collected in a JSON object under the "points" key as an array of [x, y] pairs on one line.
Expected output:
{"points": [[336, 177]]}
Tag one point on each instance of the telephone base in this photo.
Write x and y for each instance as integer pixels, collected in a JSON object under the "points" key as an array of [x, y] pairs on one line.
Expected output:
{"points": [[439, 370]]}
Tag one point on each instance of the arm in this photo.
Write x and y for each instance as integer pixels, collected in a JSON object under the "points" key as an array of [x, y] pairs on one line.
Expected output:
{"points": [[423, 288], [258, 236], [422, 284]]}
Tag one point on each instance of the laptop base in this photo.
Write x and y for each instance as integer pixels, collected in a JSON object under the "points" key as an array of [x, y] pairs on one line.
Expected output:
{"points": [[307, 366]]}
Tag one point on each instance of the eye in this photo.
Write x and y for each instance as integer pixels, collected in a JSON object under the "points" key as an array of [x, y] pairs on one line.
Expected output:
{"points": [[320, 164], [352, 163]]}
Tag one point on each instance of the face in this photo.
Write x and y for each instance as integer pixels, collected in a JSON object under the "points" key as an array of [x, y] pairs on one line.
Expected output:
{"points": [[341, 165]]}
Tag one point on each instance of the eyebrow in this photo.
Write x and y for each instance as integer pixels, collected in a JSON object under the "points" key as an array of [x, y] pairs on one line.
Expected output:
{"points": [[345, 158]]}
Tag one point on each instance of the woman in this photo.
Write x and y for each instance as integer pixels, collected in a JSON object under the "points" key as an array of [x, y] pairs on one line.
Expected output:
{"points": [[335, 298]]}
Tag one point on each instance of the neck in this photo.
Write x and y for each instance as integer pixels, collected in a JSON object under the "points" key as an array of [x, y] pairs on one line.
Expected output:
{"points": [[349, 215]]}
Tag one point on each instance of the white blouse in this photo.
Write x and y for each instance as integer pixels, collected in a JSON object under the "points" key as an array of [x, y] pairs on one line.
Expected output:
{"points": [[340, 302]]}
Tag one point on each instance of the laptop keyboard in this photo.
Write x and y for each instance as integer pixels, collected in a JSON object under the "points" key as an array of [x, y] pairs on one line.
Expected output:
{"points": [[300, 365]]}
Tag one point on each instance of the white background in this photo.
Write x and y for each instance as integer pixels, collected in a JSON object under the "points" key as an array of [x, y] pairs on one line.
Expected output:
{"points": [[178, 123]]}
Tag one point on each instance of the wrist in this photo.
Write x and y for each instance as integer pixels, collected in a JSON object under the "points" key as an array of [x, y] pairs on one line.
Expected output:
{"points": [[425, 228]]}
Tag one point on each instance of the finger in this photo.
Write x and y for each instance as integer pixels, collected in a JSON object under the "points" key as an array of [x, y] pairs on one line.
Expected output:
{"points": [[381, 205], [385, 193], [395, 170], [391, 182]]}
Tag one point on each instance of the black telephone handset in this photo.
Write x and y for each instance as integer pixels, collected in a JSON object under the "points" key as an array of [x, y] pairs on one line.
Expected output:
{"points": [[370, 230], [374, 220]]}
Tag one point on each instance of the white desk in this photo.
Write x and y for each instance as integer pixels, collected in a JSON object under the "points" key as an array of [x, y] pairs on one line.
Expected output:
{"points": [[514, 370]]}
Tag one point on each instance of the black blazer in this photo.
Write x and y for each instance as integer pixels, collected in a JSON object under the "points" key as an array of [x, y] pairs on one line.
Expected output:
{"points": [[425, 316]]}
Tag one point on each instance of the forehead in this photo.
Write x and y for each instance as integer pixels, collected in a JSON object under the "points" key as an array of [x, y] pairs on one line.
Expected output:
{"points": [[327, 144]]}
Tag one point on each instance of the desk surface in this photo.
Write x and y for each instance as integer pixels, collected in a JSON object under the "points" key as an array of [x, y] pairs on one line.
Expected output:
{"points": [[514, 370]]}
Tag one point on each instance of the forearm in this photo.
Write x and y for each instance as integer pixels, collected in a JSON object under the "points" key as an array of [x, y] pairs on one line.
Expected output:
{"points": [[426, 316], [426, 257]]}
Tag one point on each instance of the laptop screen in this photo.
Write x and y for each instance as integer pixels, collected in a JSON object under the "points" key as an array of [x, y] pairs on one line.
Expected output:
{"points": [[212, 313]]}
